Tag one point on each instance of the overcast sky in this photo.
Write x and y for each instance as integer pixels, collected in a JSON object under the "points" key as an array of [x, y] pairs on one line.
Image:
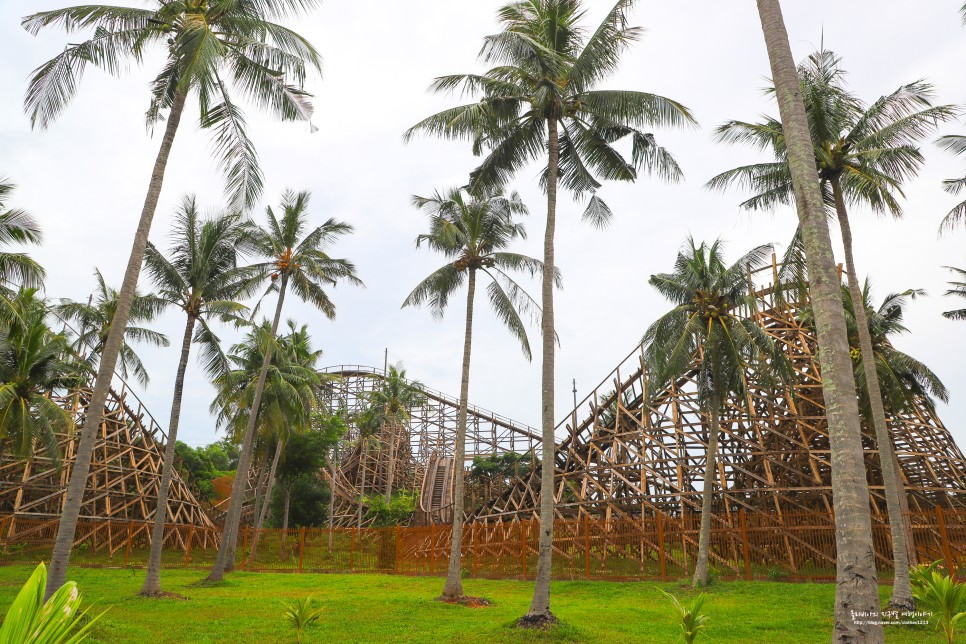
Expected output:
{"points": [[85, 180]]}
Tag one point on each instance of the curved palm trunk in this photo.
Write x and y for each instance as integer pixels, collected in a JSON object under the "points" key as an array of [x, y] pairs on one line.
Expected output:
{"points": [[60, 557], [704, 540], [539, 612], [454, 577], [856, 588], [901, 589], [233, 517], [266, 501], [152, 582]]}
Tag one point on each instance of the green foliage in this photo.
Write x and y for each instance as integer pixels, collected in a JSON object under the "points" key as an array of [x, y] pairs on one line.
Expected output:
{"points": [[308, 505], [301, 613], [958, 289], [17, 226], [692, 620], [397, 511], [197, 464], [505, 465], [31, 621], [940, 594]]}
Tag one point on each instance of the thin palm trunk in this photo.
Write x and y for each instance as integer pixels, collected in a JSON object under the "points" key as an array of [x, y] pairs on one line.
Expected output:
{"points": [[856, 591], [901, 589], [540, 606], [454, 577], [362, 492], [284, 539], [260, 482], [152, 582], [60, 558], [333, 466], [391, 463], [704, 539], [266, 502], [233, 517]]}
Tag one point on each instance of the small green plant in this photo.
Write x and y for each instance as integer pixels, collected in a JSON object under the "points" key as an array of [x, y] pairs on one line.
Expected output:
{"points": [[301, 613], [692, 618], [940, 594], [777, 573], [31, 621]]}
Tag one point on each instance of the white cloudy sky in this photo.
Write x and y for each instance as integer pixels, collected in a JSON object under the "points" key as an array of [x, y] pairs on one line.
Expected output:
{"points": [[85, 179]]}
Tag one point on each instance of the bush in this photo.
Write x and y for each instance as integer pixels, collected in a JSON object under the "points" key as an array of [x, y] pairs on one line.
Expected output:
{"points": [[940, 594], [31, 621], [398, 511]]}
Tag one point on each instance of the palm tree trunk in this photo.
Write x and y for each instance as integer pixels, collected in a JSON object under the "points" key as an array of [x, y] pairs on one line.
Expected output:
{"points": [[284, 539], [704, 540], [152, 582], [266, 501], [233, 517], [332, 466], [60, 557], [539, 612], [901, 589], [362, 493], [856, 588], [391, 462], [454, 577], [260, 482]]}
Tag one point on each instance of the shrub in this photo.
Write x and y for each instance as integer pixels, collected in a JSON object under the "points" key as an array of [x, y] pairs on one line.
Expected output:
{"points": [[940, 594], [31, 621], [691, 618], [301, 613], [399, 510]]}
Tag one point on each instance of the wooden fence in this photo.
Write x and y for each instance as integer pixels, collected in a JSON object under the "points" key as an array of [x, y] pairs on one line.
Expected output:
{"points": [[792, 546]]}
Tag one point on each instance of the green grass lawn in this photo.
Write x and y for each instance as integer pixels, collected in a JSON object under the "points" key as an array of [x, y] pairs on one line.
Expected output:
{"points": [[384, 608]]}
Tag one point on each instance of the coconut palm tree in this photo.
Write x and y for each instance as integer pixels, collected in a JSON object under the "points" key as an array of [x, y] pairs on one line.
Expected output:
{"points": [[540, 102], [958, 288], [955, 143], [208, 45], [34, 360], [856, 588], [390, 404], [17, 226], [95, 318], [903, 379], [472, 234], [706, 321], [863, 154], [201, 279], [295, 256]]}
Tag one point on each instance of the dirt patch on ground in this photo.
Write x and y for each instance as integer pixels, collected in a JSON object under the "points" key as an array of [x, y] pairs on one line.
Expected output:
{"points": [[164, 595], [466, 600]]}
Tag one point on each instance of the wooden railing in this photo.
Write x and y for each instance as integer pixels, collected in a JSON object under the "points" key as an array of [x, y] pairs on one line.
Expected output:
{"points": [[792, 546]]}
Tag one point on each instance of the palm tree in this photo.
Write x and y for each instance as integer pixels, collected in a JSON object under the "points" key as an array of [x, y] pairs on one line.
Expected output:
{"points": [[856, 589], [473, 234], [96, 317], [368, 424], [390, 404], [955, 143], [706, 321], [17, 226], [207, 44], [958, 288], [863, 155], [540, 99], [33, 361], [294, 256], [200, 278], [903, 379]]}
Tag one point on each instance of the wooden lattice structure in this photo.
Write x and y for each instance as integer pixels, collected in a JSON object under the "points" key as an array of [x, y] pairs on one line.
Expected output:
{"points": [[430, 435], [624, 458], [122, 486]]}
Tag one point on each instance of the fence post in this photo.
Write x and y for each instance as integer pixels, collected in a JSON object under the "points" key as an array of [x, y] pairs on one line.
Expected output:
{"points": [[187, 549], [744, 544], [586, 546], [476, 547], [660, 544], [398, 548], [523, 549], [947, 553], [127, 548], [352, 549], [301, 547], [432, 548]]}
